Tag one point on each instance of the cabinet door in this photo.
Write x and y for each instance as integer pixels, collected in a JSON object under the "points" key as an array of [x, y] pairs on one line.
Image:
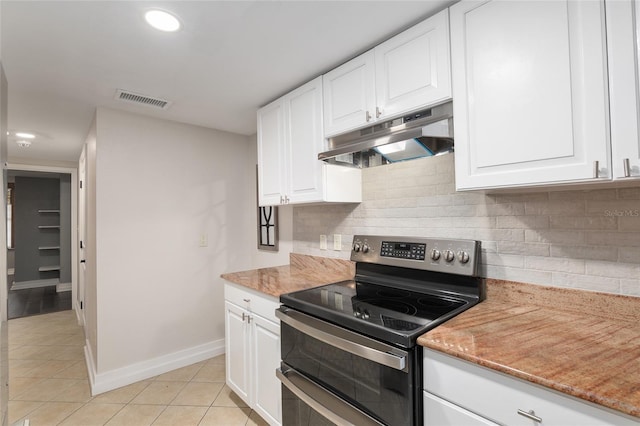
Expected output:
{"points": [[238, 351], [439, 412], [349, 95], [530, 90], [412, 68], [623, 29], [303, 107], [266, 343], [272, 158]]}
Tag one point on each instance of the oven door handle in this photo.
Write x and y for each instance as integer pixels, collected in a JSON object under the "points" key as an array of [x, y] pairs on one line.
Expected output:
{"points": [[324, 402], [346, 340]]}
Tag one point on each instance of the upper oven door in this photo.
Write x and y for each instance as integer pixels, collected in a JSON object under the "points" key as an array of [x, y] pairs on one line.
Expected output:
{"points": [[377, 378]]}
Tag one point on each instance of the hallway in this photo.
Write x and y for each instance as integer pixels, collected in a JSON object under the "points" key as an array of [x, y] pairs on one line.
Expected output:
{"points": [[48, 385]]}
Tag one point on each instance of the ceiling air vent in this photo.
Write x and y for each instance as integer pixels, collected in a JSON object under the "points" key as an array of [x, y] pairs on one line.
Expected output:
{"points": [[137, 98]]}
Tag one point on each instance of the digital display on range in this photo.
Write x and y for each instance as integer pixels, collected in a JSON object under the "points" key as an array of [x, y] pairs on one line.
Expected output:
{"points": [[403, 250]]}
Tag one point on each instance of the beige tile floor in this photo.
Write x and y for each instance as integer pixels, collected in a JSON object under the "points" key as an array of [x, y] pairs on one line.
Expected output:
{"points": [[48, 385]]}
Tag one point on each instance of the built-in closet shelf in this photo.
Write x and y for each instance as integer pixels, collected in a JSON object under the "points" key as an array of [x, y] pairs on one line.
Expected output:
{"points": [[49, 268], [49, 226], [48, 211], [49, 248]]}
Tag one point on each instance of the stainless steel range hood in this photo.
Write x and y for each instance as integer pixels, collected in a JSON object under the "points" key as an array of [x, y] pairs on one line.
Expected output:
{"points": [[420, 134]]}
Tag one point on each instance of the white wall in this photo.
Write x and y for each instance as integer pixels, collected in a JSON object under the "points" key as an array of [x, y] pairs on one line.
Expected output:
{"points": [[577, 239], [160, 187]]}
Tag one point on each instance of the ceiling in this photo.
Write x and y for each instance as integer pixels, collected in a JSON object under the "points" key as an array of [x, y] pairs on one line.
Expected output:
{"points": [[63, 59]]}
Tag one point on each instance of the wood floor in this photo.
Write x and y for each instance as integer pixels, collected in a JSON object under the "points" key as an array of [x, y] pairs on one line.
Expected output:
{"points": [[35, 301]]}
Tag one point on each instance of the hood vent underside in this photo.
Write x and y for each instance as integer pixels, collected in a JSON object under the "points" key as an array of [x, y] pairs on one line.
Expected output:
{"points": [[136, 98], [420, 134]]}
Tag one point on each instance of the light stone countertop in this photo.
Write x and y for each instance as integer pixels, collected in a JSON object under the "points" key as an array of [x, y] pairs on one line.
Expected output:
{"points": [[303, 272], [581, 343]]}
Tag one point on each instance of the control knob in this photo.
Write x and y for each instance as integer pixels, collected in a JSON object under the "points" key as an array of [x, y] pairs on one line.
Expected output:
{"points": [[463, 256], [435, 254], [449, 256], [356, 247], [365, 248]]}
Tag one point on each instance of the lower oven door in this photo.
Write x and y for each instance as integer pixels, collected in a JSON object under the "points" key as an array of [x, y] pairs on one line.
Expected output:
{"points": [[378, 379]]}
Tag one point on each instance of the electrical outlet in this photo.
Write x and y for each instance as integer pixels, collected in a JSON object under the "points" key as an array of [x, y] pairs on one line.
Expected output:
{"points": [[337, 242], [204, 240], [323, 242]]}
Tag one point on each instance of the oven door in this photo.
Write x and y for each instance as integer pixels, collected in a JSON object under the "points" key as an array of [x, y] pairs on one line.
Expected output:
{"points": [[380, 380]]}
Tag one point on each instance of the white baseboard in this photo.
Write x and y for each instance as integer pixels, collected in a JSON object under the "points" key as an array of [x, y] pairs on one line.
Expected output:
{"points": [[63, 287], [23, 285], [104, 382]]}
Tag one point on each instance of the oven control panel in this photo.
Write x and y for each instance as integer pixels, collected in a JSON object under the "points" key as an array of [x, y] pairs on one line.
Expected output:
{"points": [[402, 250], [433, 254]]}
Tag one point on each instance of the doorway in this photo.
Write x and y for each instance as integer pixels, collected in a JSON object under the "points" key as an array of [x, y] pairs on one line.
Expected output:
{"points": [[41, 231]]}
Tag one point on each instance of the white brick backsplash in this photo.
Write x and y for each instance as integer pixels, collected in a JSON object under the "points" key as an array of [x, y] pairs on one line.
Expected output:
{"points": [[554, 236], [573, 222], [554, 264], [586, 282], [576, 239], [590, 252], [551, 208], [527, 249], [505, 260], [629, 223], [629, 255], [614, 208], [514, 209], [517, 274], [611, 269], [630, 287], [629, 193], [522, 222], [618, 239]]}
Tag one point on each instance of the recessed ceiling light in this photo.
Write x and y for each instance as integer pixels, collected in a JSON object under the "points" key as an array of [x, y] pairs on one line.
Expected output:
{"points": [[161, 20], [25, 135], [23, 143]]}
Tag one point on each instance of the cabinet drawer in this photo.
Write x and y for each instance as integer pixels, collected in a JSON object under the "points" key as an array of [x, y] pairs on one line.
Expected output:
{"points": [[252, 300], [498, 397]]}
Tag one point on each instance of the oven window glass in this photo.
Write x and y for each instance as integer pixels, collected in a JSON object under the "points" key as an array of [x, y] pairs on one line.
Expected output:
{"points": [[383, 392]]}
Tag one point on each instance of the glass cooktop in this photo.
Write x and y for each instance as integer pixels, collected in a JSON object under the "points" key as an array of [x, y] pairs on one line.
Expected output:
{"points": [[378, 311]]}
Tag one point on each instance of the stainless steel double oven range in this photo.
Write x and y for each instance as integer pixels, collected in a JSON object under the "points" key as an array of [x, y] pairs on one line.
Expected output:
{"points": [[349, 352]]}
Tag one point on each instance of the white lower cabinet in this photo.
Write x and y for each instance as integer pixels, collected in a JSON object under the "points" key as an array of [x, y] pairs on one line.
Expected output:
{"points": [[458, 392], [252, 337]]}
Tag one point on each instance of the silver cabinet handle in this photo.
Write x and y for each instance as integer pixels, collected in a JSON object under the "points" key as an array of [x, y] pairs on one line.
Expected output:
{"points": [[596, 169], [246, 317], [627, 167], [324, 402], [378, 112], [530, 415], [247, 300], [346, 340], [368, 116]]}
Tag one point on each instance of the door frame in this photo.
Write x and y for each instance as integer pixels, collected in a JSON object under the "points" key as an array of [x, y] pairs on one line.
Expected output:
{"points": [[74, 220]]}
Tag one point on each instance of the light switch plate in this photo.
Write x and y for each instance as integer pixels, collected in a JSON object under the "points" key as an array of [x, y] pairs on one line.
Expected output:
{"points": [[323, 242]]}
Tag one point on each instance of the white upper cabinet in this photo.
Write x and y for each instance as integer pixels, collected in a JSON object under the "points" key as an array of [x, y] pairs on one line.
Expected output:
{"points": [[349, 95], [530, 93], [413, 68], [290, 136], [408, 71], [272, 153], [624, 87]]}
